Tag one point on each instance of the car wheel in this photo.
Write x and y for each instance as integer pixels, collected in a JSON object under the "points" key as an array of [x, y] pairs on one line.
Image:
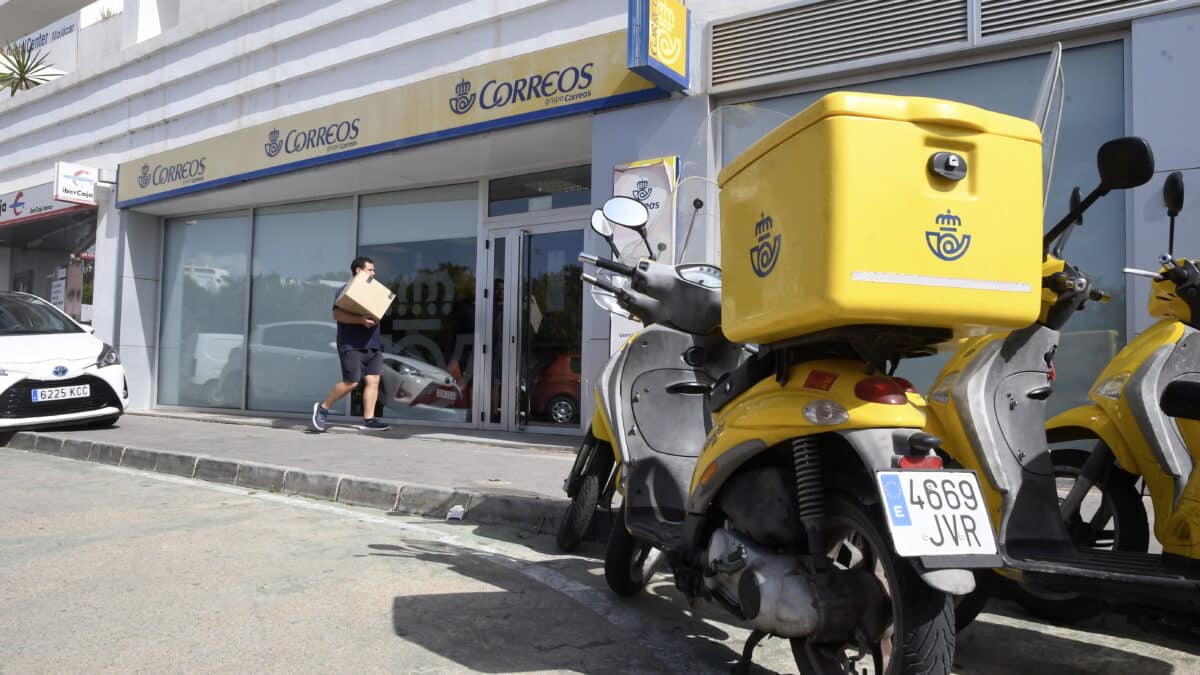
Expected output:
{"points": [[563, 409]]}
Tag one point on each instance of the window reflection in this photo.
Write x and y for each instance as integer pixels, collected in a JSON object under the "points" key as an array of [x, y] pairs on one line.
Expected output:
{"points": [[423, 243], [302, 255], [203, 313]]}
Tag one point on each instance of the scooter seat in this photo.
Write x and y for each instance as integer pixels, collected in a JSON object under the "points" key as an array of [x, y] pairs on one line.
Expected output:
{"points": [[1181, 399]]}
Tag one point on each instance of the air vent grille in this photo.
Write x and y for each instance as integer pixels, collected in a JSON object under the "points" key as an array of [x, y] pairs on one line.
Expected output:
{"points": [[832, 31], [1008, 16]]}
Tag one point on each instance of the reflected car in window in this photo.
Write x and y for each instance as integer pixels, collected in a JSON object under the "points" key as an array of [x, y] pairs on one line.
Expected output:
{"points": [[301, 358], [556, 389], [53, 371]]}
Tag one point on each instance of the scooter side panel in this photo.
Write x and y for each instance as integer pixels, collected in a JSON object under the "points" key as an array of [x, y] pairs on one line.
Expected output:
{"points": [[1014, 457], [1086, 424], [769, 414]]}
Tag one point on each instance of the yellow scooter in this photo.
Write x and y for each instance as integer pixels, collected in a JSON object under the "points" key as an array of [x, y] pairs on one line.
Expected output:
{"points": [[798, 489], [988, 404], [1142, 421]]}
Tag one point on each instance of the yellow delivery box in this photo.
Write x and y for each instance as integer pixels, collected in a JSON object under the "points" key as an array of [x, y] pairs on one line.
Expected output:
{"points": [[867, 209], [365, 295]]}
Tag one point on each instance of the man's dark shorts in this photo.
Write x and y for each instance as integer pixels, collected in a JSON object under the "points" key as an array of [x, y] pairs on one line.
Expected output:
{"points": [[359, 362]]}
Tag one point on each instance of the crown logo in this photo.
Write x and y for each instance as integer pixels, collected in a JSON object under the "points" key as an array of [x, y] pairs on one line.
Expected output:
{"points": [[945, 242], [643, 190], [272, 146], [463, 98], [765, 254], [144, 177]]}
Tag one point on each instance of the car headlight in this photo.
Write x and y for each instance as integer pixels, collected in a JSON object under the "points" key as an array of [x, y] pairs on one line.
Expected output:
{"points": [[108, 357]]}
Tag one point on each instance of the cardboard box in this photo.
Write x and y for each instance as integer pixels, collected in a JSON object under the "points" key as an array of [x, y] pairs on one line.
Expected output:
{"points": [[365, 295]]}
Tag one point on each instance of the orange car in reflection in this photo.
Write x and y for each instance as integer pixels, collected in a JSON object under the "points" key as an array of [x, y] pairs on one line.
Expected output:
{"points": [[556, 387]]}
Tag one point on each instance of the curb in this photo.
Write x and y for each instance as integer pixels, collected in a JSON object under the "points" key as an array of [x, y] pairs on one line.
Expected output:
{"points": [[530, 513]]}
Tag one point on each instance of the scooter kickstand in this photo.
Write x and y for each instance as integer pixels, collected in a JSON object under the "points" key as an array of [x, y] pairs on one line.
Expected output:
{"points": [[743, 664]]}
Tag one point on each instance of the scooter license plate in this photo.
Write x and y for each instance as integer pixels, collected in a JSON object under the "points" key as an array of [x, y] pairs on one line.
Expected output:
{"points": [[936, 513]]}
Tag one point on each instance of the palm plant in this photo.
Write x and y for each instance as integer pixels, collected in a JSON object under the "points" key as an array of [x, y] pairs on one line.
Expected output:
{"points": [[22, 67]]}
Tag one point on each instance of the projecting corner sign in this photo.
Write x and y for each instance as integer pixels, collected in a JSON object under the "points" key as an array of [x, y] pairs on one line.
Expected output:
{"points": [[75, 183], [658, 42], [583, 76]]}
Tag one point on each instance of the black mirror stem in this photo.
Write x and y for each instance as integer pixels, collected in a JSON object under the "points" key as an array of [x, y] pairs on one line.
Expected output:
{"points": [[1071, 217]]}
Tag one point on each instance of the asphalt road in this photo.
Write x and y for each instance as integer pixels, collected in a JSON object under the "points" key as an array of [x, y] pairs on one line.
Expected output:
{"points": [[105, 569]]}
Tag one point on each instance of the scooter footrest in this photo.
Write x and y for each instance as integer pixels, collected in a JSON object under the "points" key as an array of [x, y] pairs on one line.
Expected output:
{"points": [[1139, 568]]}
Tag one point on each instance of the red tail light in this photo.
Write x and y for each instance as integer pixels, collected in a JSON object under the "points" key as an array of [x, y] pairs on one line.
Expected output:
{"points": [[917, 462], [881, 390], [906, 385]]}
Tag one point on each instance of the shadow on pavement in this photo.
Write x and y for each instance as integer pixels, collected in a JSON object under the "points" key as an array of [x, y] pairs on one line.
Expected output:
{"points": [[992, 648], [511, 628], [1112, 625]]}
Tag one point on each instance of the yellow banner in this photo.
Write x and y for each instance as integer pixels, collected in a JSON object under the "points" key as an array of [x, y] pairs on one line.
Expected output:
{"points": [[582, 76]]}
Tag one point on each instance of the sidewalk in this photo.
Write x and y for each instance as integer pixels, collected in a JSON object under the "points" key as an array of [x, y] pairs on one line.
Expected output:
{"points": [[501, 478]]}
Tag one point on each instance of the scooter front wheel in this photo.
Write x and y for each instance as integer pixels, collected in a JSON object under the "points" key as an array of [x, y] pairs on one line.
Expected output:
{"points": [[579, 514], [1118, 523], [628, 562], [913, 634]]}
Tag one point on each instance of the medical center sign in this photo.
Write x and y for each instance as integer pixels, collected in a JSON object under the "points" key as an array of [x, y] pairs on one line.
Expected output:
{"points": [[568, 79]]}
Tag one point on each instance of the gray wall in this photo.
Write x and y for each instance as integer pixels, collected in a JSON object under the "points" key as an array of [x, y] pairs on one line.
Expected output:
{"points": [[125, 310], [646, 131], [1165, 53]]}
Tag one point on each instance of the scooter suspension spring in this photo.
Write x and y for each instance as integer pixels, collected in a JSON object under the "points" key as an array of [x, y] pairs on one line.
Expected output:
{"points": [[810, 497]]}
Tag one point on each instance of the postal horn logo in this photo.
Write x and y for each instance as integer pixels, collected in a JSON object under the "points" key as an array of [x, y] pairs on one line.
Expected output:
{"points": [[643, 190], [144, 177], [765, 254], [665, 45], [463, 99], [273, 146], [945, 242]]}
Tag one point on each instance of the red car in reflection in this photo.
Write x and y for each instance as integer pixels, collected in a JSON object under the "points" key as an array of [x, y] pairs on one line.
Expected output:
{"points": [[556, 390]]}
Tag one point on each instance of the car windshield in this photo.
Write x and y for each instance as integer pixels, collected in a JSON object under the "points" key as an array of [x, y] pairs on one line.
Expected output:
{"points": [[27, 315]]}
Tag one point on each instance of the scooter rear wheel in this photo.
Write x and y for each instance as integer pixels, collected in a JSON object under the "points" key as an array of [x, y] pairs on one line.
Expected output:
{"points": [[919, 637], [625, 560]]}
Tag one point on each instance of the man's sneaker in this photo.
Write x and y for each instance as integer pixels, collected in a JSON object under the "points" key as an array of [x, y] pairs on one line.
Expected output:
{"points": [[318, 417], [373, 424]]}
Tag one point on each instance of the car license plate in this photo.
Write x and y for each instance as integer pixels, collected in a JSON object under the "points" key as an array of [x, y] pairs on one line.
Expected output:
{"points": [[936, 513], [61, 393], [447, 394]]}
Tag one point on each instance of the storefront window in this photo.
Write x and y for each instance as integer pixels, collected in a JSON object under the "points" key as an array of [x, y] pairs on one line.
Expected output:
{"points": [[302, 255], [423, 243], [203, 311], [1094, 112], [556, 189]]}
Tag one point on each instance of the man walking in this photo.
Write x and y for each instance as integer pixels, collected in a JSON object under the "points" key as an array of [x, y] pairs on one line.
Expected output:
{"points": [[361, 352]]}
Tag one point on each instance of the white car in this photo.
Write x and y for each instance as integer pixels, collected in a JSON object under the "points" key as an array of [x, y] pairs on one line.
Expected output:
{"points": [[53, 371]]}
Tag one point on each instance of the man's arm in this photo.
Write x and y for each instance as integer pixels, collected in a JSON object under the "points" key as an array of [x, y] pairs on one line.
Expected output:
{"points": [[342, 316]]}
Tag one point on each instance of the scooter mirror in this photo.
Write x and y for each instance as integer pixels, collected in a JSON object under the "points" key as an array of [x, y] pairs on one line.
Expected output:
{"points": [[1125, 163], [601, 225], [626, 212], [1173, 193]]}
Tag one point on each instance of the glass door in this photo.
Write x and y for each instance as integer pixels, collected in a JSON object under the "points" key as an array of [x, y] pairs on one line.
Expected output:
{"points": [[534, 302]]}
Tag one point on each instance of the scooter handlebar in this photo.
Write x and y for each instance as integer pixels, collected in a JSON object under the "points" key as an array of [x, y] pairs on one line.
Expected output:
{"points": [[605, 264]]}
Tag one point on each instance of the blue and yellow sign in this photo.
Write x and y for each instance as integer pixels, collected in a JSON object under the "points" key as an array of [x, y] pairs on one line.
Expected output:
{"points": [[658, 42], [569, 79]]}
